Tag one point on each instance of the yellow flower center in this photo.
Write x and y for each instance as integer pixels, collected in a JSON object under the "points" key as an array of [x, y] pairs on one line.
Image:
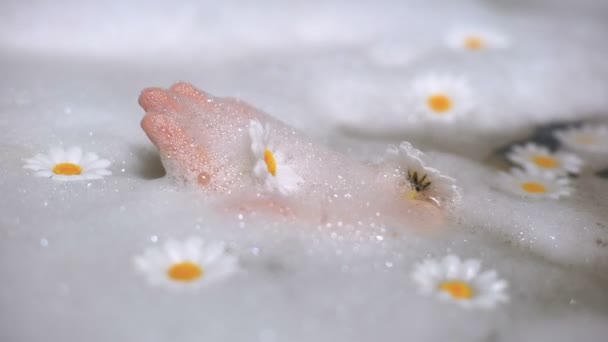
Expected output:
{"points": [[185, 271], [440, 103], [545, 162], [474, 43], [271, 163], [457, 289], [585, 139], [534, 188], [67, 169]]}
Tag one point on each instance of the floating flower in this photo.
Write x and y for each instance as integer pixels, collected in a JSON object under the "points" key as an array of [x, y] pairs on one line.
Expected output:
{"points": [[476, 40], [186, 265], [460, 282], [532, 155], [270, 166], [586, 138], [417, 180], [441, 98], [68, 165], [535, 183]]}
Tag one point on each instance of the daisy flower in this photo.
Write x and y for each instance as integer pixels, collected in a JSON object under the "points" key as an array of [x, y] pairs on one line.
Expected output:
{"points": [[476, 40], [535, 183], [532, 155], [417, 180], [270, 166], [68, 165], [460, 282], [186, 265], [441, 98], [586, 138]]}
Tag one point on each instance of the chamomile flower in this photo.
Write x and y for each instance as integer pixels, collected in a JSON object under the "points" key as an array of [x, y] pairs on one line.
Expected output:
{"points": [[189, 264], [460, 282], [476, 40], [68, 165], [535, 183], [586, 138], [417, 180], [440, 98], [270, 165], [532, 155]]}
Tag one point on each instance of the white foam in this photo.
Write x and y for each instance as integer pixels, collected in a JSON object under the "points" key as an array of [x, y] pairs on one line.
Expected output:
{"points": [[71, 76]]}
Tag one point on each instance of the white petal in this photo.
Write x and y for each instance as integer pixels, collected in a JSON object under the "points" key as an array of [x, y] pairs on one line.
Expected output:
{"points": [[64, 178], [88, 158], [192, 249], [97, 164], [213, 252], [73, 155], [173, 250], [487, 277], [256, 133], [471, 269], [287, 179], [44, 173], [44, 159], [142, 264], [34, 161], [271, 183], [260, 170], [57, 155], [34, 167], [451, 266]]}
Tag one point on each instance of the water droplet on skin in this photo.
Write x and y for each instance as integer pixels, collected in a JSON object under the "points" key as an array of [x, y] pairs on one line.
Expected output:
{"points": [[379, 237], [44, 242], [154, 238], [204, 178], [388, 264], [240, 216]]}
